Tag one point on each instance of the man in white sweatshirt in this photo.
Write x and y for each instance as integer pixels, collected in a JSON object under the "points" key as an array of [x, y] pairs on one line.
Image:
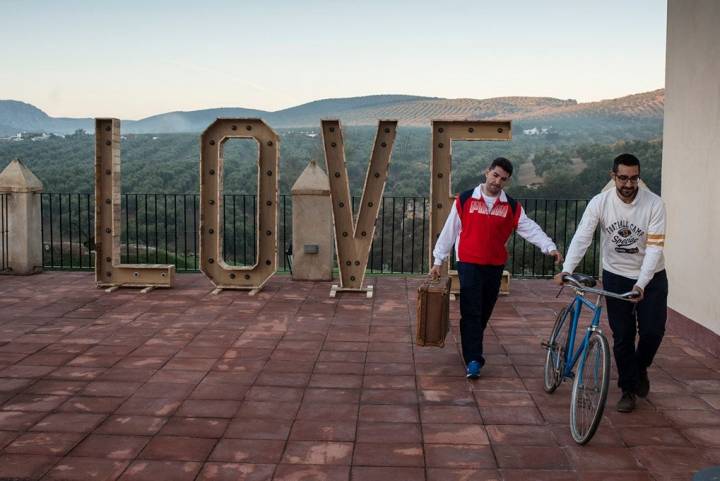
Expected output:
{"points": [[632, 236]]}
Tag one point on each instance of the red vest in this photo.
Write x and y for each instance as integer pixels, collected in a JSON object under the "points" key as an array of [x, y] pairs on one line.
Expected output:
{"points": [[483, 233]]}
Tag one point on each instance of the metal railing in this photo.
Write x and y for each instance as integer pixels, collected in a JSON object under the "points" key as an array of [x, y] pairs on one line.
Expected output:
{"points": [[4, 232], [163, 228]]}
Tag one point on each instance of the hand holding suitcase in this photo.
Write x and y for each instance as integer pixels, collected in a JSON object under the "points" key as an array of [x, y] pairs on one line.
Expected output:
{"points": [[433, 312]]}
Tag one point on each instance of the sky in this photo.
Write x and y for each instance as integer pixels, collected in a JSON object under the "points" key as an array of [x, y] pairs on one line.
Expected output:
{"points": [[132, 59]]}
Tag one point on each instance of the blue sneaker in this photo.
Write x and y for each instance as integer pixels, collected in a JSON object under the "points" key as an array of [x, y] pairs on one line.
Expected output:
{"points": [[473, 370]]}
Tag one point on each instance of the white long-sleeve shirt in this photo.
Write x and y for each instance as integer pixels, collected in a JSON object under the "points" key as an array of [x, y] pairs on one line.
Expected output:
{"points": [[527, 228], [632, 235]]}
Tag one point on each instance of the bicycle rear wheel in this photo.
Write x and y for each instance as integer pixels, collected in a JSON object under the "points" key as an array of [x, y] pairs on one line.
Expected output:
{"points": [[557, 351], [590, 389]]}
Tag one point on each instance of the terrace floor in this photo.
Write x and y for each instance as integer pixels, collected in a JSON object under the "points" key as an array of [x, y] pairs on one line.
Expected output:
{"points": [[292, 385]]}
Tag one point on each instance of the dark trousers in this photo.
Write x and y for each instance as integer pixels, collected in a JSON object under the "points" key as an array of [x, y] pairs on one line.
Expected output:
{"points": [[645, 319], [479, 287]]}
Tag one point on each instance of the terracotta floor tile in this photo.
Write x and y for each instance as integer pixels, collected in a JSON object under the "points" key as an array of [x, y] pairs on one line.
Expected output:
{"points": [[111, 447], [267, 409], [389, 413], [318, 452], [709, 436], [18, 420], [9, 385], [46, 444], [589, 458], [90, 404], [539, 475], [77, 373], [274, 393], [310, 430], [459, 456], [519, 435], [294, 472], [341, 381], [615, 476], [86, 469], [688, 418], [334, 396], [6, 437], [440, 474], [639, 436], [56, 388], [258, 429], [208, 408], [24, 466], [177, 448], [195, 427], [69, 423], [248, 451], [131, 425], [342, 356], [450, 414], [530, 457], [663, 462], [148, 407], [459, 397], [219, 391], [165, 390], [147, 470], [328, 412], [455, 434], [371, 432], [388, 454], [524, 415], [369, 473], [283, 379], [388, 396], [34, 403], [236, 472]]}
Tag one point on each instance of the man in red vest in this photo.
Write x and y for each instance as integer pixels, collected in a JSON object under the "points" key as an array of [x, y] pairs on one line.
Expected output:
{"points": [[480, 223]]}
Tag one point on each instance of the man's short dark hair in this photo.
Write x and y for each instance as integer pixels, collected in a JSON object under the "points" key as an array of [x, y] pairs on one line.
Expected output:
{"points": [[625, 159], [503, 163]]}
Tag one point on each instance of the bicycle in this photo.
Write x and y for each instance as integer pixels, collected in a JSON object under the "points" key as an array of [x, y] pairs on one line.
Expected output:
{"points": [[592, 356]]}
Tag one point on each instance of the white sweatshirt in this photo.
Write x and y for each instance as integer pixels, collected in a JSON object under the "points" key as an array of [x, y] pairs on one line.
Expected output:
{"points": [[527, 228], [632, 235]]}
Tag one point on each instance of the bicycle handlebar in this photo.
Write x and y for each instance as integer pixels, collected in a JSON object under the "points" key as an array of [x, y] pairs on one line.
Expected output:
{"points": [[572, 282]]}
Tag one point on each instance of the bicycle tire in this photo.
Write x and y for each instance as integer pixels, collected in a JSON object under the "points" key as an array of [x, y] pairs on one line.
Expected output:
{"points": [[556, 352], [594, 365]]}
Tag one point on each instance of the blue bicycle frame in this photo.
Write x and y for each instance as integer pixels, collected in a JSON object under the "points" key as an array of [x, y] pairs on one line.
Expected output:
{"points": [[573, 356]]}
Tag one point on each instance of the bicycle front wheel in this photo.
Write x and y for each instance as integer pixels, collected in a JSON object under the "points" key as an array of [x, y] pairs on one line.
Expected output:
{"points": [[590, 389], [557, 351]]}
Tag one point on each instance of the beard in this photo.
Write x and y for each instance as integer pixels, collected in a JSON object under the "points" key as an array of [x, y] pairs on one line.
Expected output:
{"points": [[627, 192]]}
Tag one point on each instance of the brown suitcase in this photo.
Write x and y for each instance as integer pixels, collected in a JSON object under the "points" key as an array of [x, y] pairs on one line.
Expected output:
{"points": [[433, 312]]}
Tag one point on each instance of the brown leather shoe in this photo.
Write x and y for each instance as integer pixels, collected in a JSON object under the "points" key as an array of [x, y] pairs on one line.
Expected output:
{"points": [[626, 404]]}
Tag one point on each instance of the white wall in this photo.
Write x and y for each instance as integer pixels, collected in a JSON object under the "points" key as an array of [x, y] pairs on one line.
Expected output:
{"points": [[691, 159]]}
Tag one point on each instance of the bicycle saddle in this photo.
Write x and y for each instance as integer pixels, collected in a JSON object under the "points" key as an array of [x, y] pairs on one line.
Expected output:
{"points": [[584, 279]]}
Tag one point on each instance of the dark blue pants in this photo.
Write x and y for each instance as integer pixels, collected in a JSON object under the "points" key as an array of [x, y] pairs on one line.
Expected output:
{"points": [[479, 287], [645, 320]]}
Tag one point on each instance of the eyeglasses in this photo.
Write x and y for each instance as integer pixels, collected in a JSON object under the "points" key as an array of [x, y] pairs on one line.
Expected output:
{"points": [[624, 178]]}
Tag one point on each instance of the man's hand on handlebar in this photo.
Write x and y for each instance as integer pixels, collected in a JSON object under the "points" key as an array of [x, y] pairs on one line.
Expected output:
{"points": [[558, 279], [640, 294]]}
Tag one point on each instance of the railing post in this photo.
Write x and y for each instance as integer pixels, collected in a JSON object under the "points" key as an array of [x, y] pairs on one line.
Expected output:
{"points": [[24, 244], [312, 231]]}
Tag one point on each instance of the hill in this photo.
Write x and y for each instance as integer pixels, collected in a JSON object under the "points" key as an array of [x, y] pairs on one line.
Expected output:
{"points": [[410, 110]]}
